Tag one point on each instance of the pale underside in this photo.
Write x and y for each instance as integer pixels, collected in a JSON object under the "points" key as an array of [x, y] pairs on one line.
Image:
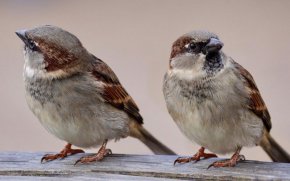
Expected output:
{"points": [[72, 110], [220, 122]]}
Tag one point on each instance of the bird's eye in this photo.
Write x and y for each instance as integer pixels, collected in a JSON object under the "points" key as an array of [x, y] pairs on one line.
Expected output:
{"points": [[32, 45], [193, 47]]}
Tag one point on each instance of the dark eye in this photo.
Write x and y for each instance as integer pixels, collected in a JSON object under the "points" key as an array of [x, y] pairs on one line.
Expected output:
{"points": [[32, 45], [194, 47]]}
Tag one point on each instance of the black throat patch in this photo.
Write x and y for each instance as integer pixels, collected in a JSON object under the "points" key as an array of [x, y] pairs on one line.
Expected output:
{"points": [[213, 63]]}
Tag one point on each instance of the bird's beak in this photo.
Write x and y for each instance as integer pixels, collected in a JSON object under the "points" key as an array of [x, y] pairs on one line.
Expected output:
{"points": [[214, 45], [22, 35]]}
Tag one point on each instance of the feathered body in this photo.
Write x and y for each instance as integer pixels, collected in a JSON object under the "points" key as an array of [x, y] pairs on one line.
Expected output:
{"points": [[76, 96], [215, 101], [210, 110]]}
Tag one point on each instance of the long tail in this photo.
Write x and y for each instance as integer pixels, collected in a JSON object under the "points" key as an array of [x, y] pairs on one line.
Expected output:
{"points": [[273, 149], [139, 132]]}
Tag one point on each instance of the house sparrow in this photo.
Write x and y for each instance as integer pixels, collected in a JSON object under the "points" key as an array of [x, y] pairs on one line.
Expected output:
{"points": [[76, 96], [215, 101]]}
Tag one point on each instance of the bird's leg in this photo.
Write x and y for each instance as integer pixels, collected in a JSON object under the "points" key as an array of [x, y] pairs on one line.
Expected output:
{"points": [[63, 153], [96, 157], [231, 162], [200, 154]]}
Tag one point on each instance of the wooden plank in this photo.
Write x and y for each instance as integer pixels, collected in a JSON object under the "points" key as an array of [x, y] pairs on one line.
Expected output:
{"points": [[27, 166]]}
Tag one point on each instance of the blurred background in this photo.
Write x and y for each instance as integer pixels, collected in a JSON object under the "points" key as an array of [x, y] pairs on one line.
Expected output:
{"points": [[134, 38]]}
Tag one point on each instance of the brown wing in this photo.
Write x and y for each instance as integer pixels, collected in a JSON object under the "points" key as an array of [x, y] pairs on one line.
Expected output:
{"points": [[113, 92], [256, 103]]}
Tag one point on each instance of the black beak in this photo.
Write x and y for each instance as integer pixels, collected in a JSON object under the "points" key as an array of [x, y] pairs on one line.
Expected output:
{"points": [[214, 45], [22, 35]]}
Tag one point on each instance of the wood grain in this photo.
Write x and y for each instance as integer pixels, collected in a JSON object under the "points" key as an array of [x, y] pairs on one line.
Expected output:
{"points": [[27, 166]]}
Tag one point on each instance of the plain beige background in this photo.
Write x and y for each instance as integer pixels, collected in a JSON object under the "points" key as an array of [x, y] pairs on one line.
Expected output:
{"points": [[134, 38]]}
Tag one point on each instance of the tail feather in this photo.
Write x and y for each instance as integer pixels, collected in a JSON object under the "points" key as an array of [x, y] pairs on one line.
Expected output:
{"points": [[273, 149], [139, 132]]}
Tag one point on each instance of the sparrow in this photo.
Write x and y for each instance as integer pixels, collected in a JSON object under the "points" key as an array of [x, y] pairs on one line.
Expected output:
{"points": [[77, 97], [215, 102]]}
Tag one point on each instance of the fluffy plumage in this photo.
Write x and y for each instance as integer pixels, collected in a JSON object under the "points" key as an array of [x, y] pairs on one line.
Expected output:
{"points": [[76, 96], [215, 101]]}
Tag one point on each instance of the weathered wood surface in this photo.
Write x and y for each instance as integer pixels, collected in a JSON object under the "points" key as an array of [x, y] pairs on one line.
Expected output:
{"points": [[27, 166]]}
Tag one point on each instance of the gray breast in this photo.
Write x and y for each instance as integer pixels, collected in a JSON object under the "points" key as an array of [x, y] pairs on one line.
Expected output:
{"points": [[200, 89], [41, 90]]}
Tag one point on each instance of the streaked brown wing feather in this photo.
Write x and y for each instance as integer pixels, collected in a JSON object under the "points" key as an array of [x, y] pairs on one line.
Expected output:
{"points": [[256, 103], [113, 92]]}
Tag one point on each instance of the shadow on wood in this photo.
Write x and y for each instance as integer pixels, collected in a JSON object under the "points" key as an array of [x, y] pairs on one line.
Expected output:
{"points": [[27, 166]]}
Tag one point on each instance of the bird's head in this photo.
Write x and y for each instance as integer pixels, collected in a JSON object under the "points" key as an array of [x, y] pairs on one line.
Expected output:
{"points": [[198, 51], [51, 52]]}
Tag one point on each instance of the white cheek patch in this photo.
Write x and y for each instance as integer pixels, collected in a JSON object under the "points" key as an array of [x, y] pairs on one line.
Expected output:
{"points": [[42, 73], [34, 66], [188, 74], [29, 72], [193, 72]]}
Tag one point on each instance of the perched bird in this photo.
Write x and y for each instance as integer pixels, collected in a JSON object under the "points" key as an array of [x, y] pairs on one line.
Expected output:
{"points": [[76, 96], [215, 102]]}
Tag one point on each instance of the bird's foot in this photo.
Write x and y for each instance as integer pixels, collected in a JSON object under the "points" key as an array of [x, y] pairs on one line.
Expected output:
{"points": [[200, 154], [229, 163], [64, 153], [102, 153]]}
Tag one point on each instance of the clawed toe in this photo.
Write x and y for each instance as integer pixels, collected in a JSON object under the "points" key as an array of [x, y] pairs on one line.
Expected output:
{"points": [[182, 160], [97, 157], [51, 157], [229, 163], [64, 153], [200, 154], [225, 163], [103, 152]]}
